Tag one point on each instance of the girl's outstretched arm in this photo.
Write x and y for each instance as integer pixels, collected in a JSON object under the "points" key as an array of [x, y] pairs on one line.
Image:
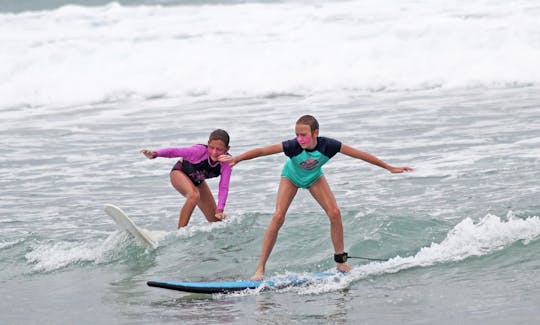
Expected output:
{"points": [[367, 157], [253, 153]]}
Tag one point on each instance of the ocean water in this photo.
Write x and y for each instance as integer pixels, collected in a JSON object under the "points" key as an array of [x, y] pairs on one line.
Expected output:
{"points": [[451, 88]]}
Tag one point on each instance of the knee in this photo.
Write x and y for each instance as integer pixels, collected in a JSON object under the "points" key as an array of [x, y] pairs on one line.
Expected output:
{"points": [[278, 220], [193, 196], [334, 215]]}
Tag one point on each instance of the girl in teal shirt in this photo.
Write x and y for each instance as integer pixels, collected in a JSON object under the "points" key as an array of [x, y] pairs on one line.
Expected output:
{"points": [[307, 154]]}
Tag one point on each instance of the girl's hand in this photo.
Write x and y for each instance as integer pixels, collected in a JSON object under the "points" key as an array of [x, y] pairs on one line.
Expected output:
{"points": [[149, 153], [220, 215], [228, 159], [397, 170]]}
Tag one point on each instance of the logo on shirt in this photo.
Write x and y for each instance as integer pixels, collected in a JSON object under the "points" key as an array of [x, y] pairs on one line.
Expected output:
{"points": [[309, 164]]}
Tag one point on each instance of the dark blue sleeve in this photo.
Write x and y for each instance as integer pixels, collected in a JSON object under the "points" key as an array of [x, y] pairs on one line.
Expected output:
{"points": [[329, 147], [291, 148]]}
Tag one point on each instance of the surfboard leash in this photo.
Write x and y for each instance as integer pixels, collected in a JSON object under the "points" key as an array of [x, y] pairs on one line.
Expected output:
{"points": [[342, 258], [369, 258]]}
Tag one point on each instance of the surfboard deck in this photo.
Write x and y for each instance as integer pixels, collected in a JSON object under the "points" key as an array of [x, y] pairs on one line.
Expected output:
{"points": [[125, 223], [234, 286]]}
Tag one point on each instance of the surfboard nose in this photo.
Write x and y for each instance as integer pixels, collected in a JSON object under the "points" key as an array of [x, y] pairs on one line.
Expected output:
{"points": [[125, 223]]}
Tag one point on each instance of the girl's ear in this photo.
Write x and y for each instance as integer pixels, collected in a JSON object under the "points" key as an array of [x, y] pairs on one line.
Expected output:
{"points": [[316, 133]]}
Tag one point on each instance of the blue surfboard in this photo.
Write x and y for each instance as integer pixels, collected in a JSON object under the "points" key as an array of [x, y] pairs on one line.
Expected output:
{"points": [[232, 286]]}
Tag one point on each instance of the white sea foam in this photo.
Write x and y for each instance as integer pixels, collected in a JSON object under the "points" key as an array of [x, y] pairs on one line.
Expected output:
{"points": [[49, 257], [10, 243], [92, 54], [52, 256], [202, 226], [466, 239], [46, 257]]}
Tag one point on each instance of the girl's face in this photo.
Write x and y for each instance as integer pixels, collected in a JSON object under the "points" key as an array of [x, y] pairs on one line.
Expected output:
{"points": [[216, 148], [305, 138]]}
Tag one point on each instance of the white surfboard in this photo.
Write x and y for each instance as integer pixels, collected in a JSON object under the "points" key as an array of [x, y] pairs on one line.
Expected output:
{"points": [[125, 223]]}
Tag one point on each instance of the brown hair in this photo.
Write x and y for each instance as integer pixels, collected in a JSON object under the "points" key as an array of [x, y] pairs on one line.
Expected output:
{"points": [[220, 134], [309, 120]]}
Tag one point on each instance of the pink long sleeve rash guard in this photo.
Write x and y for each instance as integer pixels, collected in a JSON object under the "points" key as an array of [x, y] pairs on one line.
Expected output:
{"points": [[195, 155]]}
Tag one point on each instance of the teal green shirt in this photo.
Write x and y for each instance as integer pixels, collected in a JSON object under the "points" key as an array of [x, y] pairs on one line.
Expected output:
{"points": [[304, 167]]}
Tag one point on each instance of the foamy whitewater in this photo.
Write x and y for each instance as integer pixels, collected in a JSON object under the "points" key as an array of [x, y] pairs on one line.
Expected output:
{"points": [[450, 88], [74, 55]]}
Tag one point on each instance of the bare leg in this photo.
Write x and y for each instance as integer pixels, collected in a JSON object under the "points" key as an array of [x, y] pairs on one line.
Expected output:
{"points": [[207, 203], [183, 184], [322, 193], [286, 193]]}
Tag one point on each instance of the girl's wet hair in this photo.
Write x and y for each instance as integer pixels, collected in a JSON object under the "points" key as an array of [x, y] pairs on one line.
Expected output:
{"points": [[220, 134], [309, 120]]}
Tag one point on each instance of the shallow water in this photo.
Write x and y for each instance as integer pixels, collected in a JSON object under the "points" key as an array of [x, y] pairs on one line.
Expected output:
{"points": [[461, 231]]}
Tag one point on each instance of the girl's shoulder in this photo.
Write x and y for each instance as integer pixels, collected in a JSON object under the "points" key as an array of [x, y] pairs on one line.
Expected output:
{"points": [[328, 146], [291, 147]]}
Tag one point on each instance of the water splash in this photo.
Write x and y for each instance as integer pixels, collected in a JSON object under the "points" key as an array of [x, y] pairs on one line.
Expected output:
{"points": [[52, 256], [466, 239]]}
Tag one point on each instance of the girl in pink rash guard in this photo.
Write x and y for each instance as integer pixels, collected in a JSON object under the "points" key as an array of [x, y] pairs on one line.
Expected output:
{"points": [[188, 175]]}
